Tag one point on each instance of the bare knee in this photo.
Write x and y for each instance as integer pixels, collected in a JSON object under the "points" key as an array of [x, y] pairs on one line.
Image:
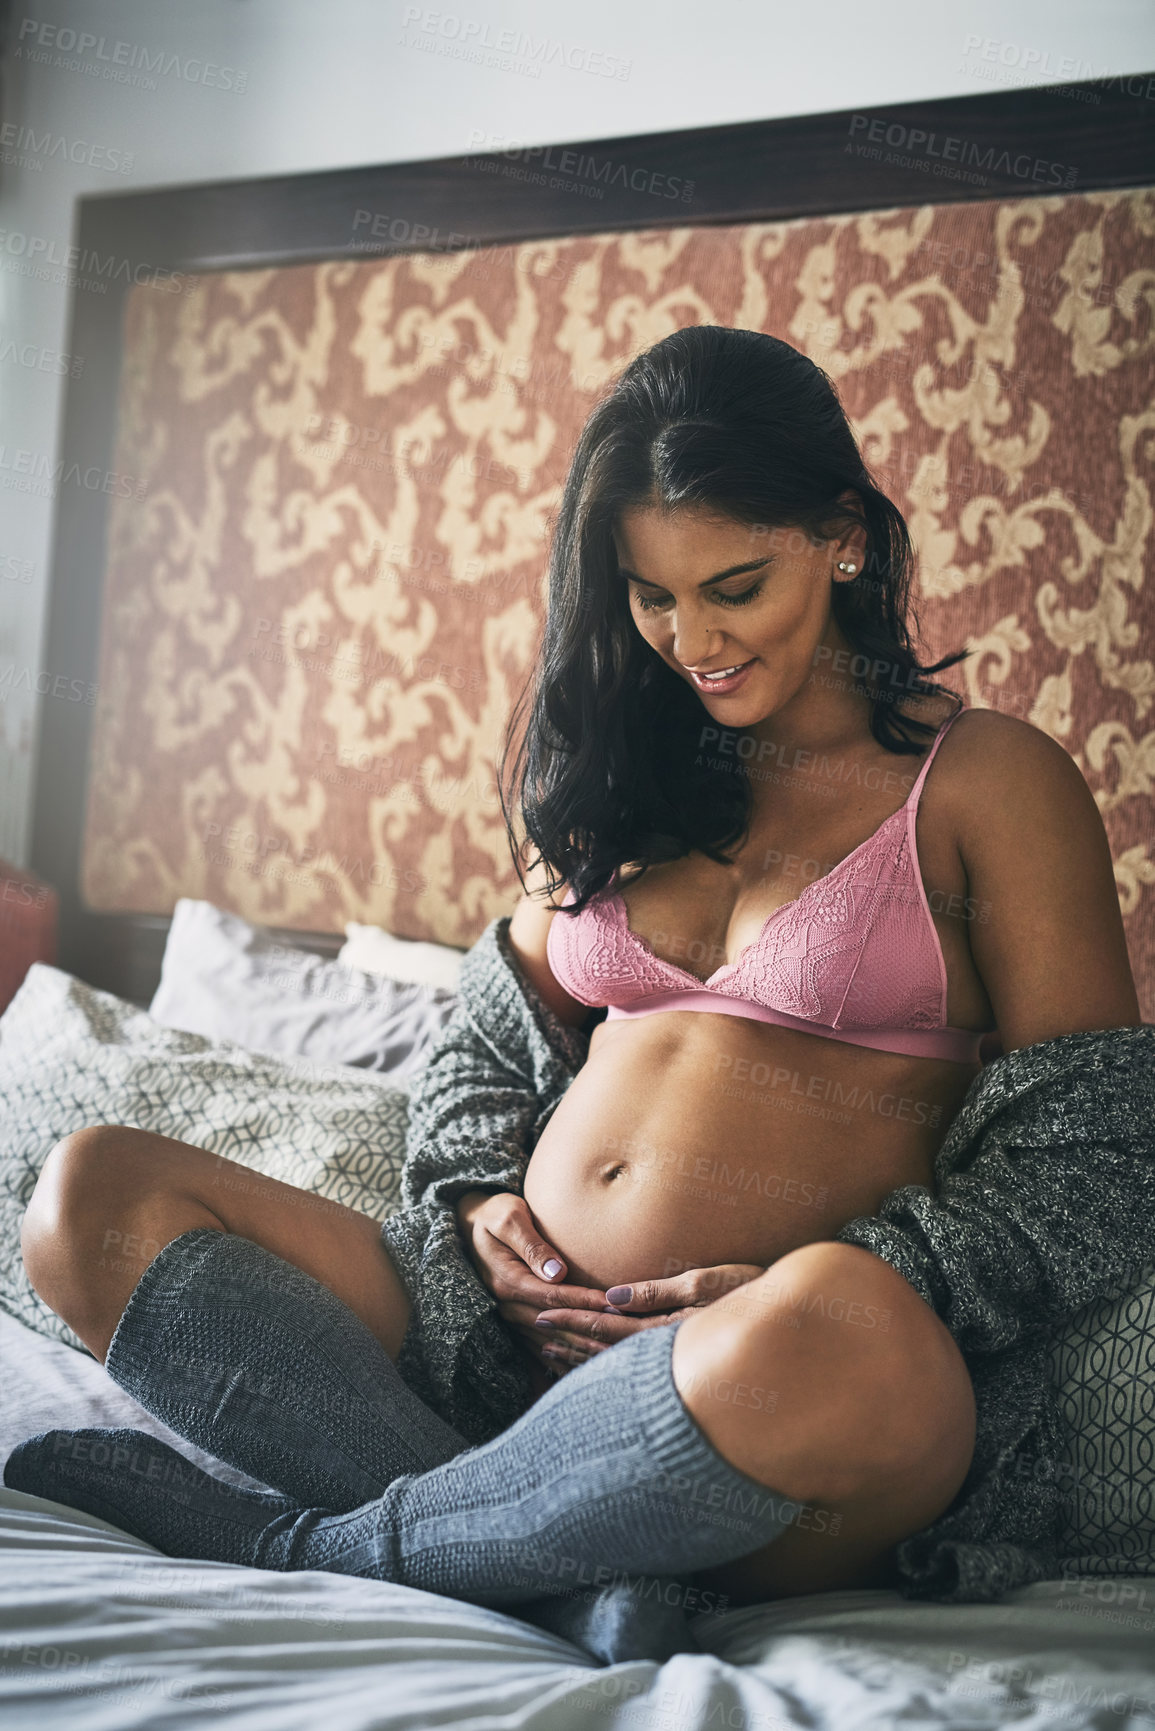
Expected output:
{"points": [[830, 1379], [86, 1237], [81, 1172]]}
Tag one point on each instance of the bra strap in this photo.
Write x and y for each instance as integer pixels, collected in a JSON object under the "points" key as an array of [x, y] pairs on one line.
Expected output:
{"points": [[916, 790]]}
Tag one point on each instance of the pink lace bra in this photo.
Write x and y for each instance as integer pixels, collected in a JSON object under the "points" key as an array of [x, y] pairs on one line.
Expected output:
{"points": [[855, 957]]}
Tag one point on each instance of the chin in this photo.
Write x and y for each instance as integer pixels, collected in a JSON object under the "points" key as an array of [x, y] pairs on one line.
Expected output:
{"points": [[744, 709]]}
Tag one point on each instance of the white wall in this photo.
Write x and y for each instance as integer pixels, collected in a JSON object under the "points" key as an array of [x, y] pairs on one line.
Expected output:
{"points": [[313, 84]]}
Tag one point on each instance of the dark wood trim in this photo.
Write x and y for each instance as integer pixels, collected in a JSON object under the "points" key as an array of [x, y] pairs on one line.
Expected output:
{"points": [[1026, 143], [125, 951], [1050, 140]]}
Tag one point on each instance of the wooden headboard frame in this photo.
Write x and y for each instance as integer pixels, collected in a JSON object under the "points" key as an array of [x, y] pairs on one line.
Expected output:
{"points": [[1085, 138]]}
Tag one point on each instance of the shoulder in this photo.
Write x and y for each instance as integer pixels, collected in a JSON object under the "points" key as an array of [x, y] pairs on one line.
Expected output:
{"points": [[992, 764], [1049, 944], [1017, 809], [537, 887], [533, 915]]}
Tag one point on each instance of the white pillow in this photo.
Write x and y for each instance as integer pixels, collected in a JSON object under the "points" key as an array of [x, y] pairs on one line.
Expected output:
{"points": [[379, 952], [229, 980], [71, 1056]]}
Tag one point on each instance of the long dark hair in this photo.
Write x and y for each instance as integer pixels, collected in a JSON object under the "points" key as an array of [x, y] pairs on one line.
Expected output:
{"points": [[609, 768]]}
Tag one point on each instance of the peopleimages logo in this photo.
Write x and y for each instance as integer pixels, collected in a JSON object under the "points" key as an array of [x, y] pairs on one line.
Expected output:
{"points": [[473, 38], [574, 171], [1040, 65], [24, 147], [38, 252], [41, 360], [951, 155], [121, 62]]}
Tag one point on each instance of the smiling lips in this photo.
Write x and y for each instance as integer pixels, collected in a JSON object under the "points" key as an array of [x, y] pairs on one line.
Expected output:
{"points": [[726, 679]]}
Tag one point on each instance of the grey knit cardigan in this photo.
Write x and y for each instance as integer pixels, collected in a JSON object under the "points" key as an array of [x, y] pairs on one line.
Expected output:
{"points": [[1043, 1201]]}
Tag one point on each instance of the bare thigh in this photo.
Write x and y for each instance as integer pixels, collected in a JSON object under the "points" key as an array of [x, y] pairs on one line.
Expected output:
{"points": [[864, 1414], [110, 1198]]}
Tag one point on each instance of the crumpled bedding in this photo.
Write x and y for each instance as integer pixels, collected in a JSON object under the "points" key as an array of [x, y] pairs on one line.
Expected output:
{"points": [[101, 1631]]}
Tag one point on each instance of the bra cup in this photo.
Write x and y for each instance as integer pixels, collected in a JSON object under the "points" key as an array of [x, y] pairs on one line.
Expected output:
{"points": [[855, 950], [805, 968], [615, 964], [598, 960], [881, 965]]}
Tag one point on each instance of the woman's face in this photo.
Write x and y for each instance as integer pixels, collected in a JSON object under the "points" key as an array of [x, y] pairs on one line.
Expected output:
{"points": [[709, 593]]}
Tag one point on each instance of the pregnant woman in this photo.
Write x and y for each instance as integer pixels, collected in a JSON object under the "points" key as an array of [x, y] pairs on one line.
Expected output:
{"points": [[613, 1328]]}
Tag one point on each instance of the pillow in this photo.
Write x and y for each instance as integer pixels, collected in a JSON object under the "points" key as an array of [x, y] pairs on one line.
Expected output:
{"points": [[379, 952], [72, 1056], [229, 980], [1103, 1366]]}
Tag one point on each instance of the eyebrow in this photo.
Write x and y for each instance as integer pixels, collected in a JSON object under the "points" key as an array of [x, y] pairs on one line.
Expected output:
{"points": [[707, 582]]}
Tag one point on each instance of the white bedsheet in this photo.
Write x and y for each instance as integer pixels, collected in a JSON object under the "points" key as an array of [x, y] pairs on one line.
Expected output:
{"points": [[45, 1385], [99, 1631]]}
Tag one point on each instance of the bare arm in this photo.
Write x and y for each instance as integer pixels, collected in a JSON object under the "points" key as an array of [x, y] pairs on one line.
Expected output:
{"points": [[480, 1102], [1053, 955], [1051, 1201], [528, 936]]}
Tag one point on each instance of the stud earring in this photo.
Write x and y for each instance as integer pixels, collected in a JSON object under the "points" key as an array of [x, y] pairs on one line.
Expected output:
{"points": [[849, 569]]}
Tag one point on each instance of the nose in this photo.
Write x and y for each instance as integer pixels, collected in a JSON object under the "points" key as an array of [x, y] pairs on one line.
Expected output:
{"points": [[692, 637]]}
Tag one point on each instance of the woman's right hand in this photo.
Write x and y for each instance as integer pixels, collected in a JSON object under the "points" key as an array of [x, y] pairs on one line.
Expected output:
{"points": [[524, 1273]]}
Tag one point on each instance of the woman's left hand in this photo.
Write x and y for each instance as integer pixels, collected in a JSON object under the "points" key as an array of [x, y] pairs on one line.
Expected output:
{"points": [[572, 1336]]}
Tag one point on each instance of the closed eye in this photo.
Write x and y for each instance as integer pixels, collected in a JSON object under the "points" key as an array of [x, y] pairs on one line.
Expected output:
{"points": [[743, 600]]}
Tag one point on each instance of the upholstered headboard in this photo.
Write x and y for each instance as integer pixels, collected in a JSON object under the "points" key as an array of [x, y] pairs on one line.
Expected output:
{"points": [[320, 611], [325, 586]]}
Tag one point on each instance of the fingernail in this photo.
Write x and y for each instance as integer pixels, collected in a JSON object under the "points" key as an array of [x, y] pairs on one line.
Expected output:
{"points": [[552, 1268], [619, 1294], [543, 1322]]}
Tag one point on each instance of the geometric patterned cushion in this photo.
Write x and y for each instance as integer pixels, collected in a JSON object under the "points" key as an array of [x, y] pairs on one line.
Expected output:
{"points": [[72, 1056], [1103, 1365]]}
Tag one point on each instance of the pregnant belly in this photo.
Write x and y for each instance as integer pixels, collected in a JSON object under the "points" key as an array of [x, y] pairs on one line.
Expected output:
{"points": [[690, 1140]]}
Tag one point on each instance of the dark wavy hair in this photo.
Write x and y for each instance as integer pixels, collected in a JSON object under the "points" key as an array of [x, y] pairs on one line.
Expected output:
{"points": [[747, 426]]}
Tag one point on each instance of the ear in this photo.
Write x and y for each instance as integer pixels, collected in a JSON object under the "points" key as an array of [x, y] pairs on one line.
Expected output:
{"points": [[850, 548]]}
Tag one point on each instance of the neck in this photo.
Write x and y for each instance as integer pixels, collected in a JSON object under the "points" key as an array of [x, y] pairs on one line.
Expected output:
{"points": [[829, 710]]}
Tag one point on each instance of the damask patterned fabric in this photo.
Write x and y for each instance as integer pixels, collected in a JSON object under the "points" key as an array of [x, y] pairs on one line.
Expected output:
{"points": [[72, 1056], [329, 588]]}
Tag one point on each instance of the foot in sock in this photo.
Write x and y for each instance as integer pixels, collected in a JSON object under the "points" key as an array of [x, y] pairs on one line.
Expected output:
{"points": [[640, 1618], [140, 1484], [265, 1368], [606, 1472]]}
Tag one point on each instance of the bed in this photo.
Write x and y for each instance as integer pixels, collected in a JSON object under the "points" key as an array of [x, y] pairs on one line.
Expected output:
{"points": [[336, 411], [99, 1629]]}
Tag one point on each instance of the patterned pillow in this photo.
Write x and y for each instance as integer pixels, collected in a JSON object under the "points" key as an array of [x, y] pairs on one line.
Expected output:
{"points": [[72, 1056], [1103, 1365]]}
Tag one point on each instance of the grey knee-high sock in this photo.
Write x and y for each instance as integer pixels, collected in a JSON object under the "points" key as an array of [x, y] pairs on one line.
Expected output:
{"points": [[261, 1365], [606, 1476], [136, 1482], [265, 1368]]}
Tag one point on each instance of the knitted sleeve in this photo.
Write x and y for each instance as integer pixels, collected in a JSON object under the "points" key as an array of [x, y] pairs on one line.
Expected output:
{"points": [[1044, 1193], [480, 1103]]}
